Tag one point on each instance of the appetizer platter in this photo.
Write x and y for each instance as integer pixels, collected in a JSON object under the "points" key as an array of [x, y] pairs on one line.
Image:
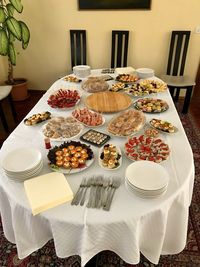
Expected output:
{"points": [[88, 117], [152, 132], [110, 157], [108, 102], [37, 118], [62, 128], [95, 84], [163, 126], [70, 157], [146, 148], [151, 105], [72, 79], [127, 123], [127, 78], [64, 99], [117, 87], [146, 87], [95, 138]]}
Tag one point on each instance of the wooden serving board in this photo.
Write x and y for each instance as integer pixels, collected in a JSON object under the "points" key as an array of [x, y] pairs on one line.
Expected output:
{"points": [[108, 102]]}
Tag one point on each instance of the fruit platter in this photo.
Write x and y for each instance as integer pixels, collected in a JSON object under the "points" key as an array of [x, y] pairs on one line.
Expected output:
{"points": [[64, 99], [72, 79], [127, 78], [37, 118], [110, 157], [146, 148], [163, 126], [146, 87], [88, 117], [151, 105], [70, 157], [127, 123], [62, 128]]}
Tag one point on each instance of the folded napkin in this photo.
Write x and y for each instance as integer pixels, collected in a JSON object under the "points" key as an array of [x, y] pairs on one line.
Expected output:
{"points": [[47, 191], [125, 70]]}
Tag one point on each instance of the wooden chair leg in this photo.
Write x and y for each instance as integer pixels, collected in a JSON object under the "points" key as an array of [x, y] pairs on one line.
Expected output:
{"points": [[177, 95], [171, 90], [3, 119], [14, 113], [187, 99]]}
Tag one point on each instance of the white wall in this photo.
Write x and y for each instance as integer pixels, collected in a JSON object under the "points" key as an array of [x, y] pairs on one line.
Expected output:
{"points": [[48, 55]]}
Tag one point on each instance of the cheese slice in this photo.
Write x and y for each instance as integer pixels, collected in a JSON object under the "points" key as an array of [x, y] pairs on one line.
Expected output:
{"points": [[47, 191]]}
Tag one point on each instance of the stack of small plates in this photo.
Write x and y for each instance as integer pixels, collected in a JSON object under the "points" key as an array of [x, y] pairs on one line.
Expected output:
{"points": [[22, 164], [146, 179], [145, 73]]}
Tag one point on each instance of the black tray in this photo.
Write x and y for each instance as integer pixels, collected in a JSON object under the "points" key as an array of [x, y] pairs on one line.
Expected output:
{"points": [[95, 138]]}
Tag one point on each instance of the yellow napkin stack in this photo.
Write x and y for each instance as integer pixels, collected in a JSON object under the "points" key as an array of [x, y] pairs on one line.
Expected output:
{"points": [[47, 191]]}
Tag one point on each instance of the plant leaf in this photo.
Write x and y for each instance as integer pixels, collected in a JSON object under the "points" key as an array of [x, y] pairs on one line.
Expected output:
{"points": [[12, 54], [2, 15], [17, 5], [25, 34], [10, 8], [3, 43], [14, 27], [11, 37]]}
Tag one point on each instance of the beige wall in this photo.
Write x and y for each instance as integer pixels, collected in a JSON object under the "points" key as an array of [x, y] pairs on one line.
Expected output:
{"points": [[48, 55]]}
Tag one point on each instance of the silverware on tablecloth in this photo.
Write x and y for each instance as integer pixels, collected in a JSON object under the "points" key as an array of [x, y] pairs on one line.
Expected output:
{"points": [[85, 191], [115, 184], [77, 196], [91, 196]]}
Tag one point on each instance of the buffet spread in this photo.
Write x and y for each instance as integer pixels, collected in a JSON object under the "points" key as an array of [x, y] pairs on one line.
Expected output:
{"points": [[119, 142]]}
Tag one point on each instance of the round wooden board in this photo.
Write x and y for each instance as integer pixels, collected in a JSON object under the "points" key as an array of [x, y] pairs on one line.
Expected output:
{"points": [[108, 102]]}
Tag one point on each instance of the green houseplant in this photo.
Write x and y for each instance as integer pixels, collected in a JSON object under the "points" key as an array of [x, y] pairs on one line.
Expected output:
{"points": [[11, 30]]}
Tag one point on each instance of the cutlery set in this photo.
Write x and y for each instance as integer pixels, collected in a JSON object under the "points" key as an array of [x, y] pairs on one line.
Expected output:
{"points": [[101, 192]]}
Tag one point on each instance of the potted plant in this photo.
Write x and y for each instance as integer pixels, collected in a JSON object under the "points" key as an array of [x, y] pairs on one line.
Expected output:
{"points": [[11, 30]]}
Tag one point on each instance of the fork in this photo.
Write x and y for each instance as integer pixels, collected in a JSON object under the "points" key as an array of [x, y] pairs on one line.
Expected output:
{"points": [[85, 191], [116, 183], [76, 199]]}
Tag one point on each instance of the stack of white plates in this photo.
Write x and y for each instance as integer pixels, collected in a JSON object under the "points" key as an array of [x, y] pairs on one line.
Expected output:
{"points": [[146, 179], [82, 71], [145, 73], [22, 164]]}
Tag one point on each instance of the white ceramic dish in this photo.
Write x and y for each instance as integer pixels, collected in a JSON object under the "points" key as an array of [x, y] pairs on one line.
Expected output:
{"points": [[21, 159], [119, 161], [144, 73]]}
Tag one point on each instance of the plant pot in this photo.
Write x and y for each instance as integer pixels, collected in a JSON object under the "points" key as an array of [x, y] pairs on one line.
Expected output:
{"points": [[19, 89]]}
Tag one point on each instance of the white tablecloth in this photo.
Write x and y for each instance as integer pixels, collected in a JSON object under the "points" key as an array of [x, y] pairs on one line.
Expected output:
{"points": [[133, 225]]}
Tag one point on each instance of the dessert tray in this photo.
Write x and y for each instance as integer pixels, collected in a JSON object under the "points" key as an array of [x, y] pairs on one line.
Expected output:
{"points": [[163, 126], [95, 138], [70, 157], [64, 99], [146, 148], [110, 157], [151, 105], [146, 87], [127, 78], [117, 87], [95, 84], [37, 118], [108, 102], [62, 128], [127, 123], [88, 117]]}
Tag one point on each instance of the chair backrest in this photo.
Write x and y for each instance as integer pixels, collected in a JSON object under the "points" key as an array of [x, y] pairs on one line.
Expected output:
{"points": [[119, 49], [78, 47], [178, 52]]}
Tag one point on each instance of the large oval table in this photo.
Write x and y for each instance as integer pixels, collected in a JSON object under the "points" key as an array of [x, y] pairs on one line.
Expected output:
{"points": [[154, 227]]}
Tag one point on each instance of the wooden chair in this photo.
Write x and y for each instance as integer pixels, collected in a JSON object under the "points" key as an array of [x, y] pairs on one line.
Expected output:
{"points": [[119, 48], [5, 92], [175, 77], [78, 47]]}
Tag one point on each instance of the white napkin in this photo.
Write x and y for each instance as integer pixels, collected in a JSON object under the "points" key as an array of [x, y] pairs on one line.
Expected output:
{"points": [[47, 191]]}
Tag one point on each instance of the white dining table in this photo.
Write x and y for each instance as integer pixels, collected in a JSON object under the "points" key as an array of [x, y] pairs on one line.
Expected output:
{"points": [[134, 225]]}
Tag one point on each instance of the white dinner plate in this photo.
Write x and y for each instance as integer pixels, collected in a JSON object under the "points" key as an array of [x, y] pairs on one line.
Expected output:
{"points": [[21, 159]]}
